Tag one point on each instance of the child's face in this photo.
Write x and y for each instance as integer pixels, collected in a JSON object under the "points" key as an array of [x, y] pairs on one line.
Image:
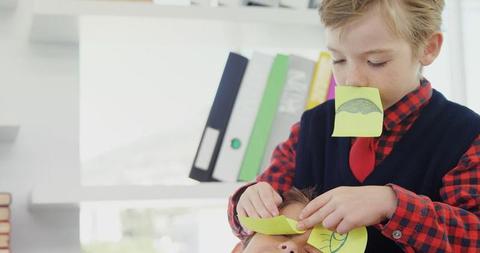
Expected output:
{"points": [[282, 243], [368, 54]]}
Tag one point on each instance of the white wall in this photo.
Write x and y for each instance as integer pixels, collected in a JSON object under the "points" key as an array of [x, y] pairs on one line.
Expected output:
{"points": [[442, 72], [471, 22], [38, 89]]}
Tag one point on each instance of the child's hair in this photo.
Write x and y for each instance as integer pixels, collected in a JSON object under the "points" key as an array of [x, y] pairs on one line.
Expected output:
{"points": [[412, 20], [295, 195], [292, 196]]}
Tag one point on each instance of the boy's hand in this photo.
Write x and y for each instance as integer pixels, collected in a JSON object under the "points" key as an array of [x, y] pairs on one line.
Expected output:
{"points": [[345, 208], [259, 201]]}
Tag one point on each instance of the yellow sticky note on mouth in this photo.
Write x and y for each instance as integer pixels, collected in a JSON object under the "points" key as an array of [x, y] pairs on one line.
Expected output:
{"points": [[328, 241], [278, 225], [358, 112]]}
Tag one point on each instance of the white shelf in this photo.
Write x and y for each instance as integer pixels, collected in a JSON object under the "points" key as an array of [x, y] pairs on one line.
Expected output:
{"points": [[8, 132], [147, 9], [48, 196], [57, 20]]}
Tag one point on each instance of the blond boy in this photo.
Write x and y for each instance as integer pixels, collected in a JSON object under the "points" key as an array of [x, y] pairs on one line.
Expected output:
{"points": [[417, 186]]}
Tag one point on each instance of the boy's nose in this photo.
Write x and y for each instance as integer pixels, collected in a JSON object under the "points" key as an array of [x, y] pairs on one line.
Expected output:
{"points": [[288, 247], [356, 78]]}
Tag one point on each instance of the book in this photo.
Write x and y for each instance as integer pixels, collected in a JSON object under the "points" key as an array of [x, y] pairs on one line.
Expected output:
{"points": [[217, 122], [243, 118], [314, 4], [264, 119], [331, 88], [321, 81], [201, 2], [4, 241], [292, 103], [5, 227], [173, 2], [295, 4], [269, 3], [4, 213], [231, 2], [5, 199]]}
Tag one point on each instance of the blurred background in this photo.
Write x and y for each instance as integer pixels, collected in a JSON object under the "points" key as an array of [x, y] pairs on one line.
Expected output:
{"points": [[103, 104]]}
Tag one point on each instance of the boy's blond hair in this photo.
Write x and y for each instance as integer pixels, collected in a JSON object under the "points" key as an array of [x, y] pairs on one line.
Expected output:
{"points": [[412, 20]]}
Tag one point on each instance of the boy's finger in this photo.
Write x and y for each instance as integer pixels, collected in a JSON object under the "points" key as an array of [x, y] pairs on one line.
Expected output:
{"points": [[332, 221], [267, 198], [314, 205], [277, 198], [259, 206], [344, 227], [250, 209], [241, 211], [317, 217]]}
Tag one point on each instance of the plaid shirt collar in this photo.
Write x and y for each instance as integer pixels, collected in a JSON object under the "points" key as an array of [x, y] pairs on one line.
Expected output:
{"points": [[410, 103]]}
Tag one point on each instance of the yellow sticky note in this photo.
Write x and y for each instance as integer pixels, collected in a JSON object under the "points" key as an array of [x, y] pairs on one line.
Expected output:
{"points": [[279, 225], [328, 241], [358, 112]]}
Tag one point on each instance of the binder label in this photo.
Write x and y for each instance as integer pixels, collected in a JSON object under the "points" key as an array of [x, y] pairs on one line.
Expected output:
{"points": [[207, 147]]}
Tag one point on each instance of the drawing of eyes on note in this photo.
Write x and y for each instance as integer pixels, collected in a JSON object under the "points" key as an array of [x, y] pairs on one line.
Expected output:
{"points": [[358, 112], [328, 241], [321, 238]]}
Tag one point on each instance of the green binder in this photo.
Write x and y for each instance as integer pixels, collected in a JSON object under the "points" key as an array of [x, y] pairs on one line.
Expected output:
{"points": [[264, 120]]}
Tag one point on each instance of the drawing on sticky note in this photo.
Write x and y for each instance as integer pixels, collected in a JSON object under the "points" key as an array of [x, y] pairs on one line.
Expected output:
{"points": [[358, 112], [359, 105], [331, 242]]}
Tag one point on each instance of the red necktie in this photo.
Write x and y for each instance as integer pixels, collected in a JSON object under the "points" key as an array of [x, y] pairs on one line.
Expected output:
{"points": [[362, 157]]}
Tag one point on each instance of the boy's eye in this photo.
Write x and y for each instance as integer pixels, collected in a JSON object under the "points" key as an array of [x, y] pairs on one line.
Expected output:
{"points": [[338, 61], [377, 64]]}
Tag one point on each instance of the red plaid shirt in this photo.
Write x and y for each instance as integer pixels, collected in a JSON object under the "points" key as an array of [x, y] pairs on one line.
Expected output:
{"points": [[418, 224]]}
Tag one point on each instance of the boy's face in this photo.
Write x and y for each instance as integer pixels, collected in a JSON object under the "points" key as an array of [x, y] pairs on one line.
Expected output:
{"points": [[282, 243], [367, 53]]}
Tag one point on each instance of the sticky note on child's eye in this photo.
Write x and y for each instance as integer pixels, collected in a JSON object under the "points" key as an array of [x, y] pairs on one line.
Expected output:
{"points": [[330, 242], [279, 225], [358, 112]]}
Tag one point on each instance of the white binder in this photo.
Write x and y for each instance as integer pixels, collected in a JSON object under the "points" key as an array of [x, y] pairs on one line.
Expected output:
{"points": [[243, 117]]}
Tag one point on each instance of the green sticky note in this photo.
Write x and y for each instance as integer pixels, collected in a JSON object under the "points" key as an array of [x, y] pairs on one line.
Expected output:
{"points": [[279, 225], [358, 112], [330, 242]]}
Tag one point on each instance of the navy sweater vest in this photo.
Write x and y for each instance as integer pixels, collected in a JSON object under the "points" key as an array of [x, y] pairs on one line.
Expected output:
{"points": [[433, 145]]}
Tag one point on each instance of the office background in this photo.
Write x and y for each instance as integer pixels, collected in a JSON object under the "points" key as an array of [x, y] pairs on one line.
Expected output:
{"points": [[108, 100]]}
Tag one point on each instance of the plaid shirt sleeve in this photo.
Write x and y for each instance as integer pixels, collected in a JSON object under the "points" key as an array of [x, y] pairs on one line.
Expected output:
{"points": [[421, 225], [279, 175]]}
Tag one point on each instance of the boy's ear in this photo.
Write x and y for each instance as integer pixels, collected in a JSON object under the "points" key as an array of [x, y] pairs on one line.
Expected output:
{"points": [[431, 49]]}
